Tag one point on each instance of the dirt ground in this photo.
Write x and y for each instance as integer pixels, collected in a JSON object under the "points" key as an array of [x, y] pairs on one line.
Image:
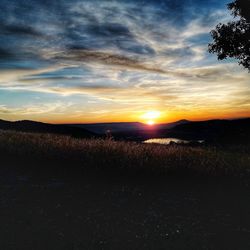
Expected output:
{"points": [[80, 211]]}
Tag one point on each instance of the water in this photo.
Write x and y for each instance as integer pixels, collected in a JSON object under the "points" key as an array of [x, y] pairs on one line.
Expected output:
{"points": [[167, 141]]}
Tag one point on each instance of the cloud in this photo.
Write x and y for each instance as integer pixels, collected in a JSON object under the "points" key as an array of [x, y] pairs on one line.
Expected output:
{"points": [[15, 29], [106, 56], [4, 54], [38, 109]]}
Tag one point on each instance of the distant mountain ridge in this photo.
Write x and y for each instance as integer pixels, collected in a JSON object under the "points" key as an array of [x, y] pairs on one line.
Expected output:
{"points": [[212, 131], [119, 127], [40, 127], [221, 131]]}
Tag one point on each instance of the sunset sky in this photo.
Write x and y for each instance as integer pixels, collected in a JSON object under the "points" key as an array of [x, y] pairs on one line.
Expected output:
{"points": [[69, 61]]}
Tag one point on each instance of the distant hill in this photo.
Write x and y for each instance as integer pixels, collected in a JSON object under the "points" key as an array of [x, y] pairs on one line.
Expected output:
{"points": [[212, 131], [39, 127], [102, 128], [125, 127], [221, 131]]}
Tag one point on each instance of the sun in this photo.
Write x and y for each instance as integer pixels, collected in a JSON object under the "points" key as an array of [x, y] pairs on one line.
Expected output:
{"points": [[150, 122], [150, 116]]}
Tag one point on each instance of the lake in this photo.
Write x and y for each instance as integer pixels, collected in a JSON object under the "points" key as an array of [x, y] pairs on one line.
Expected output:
{"points": [[167, 141]]}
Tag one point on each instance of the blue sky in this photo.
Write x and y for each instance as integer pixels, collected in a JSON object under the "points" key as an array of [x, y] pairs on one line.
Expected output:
{"points": [[95, 61]]}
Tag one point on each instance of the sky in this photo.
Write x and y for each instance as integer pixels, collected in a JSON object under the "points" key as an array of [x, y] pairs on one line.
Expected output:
{"points": [[87, 61]]}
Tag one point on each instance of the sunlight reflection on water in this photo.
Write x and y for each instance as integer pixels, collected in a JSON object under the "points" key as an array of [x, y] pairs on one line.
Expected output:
{"points": [[167, 141]]}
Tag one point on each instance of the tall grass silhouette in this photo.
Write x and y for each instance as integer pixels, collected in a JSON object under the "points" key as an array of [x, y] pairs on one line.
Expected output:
{"points": [[131, 157]]}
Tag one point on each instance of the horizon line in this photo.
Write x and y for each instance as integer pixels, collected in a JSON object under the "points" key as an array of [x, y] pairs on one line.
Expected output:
{"points": [[116, 122]]}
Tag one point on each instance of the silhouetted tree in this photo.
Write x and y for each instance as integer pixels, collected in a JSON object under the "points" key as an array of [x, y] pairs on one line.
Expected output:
{"points": [[233, 39]]}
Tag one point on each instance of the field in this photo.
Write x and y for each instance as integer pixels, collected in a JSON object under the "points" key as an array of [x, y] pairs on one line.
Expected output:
{"points": [[128, 157], [59, 192]]}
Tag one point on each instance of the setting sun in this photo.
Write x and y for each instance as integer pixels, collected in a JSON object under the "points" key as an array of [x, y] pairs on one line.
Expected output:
{"points": [[151, 116], [150, 123]]}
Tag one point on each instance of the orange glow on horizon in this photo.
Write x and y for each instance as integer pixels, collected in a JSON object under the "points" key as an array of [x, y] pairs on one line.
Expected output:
{"points": [[151, 117]]}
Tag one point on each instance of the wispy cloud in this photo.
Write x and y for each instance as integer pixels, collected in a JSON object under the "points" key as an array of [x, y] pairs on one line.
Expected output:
{"points": [[113, 57], [107, 58]]}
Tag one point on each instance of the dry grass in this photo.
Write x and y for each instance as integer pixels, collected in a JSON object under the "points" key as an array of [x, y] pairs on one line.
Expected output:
{"points": [[127, 156]]}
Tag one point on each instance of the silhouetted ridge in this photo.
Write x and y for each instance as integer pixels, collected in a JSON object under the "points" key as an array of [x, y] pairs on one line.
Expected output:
{"points": [[216, 130], [126, 127], [40, 127]]}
